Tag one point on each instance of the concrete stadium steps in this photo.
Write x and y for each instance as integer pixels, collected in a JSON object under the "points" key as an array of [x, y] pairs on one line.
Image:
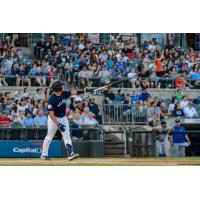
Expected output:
{"points": [[113, 146], [114, 149]]}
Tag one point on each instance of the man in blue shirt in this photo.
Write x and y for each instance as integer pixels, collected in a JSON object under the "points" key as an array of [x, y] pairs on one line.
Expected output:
{"points": [[134, 97], [179, 140], [144, 95], [40, 120], [27, 120]]}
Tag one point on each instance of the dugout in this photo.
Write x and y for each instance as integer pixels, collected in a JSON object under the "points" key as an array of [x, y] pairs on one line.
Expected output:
{"points": [[194, 135]]}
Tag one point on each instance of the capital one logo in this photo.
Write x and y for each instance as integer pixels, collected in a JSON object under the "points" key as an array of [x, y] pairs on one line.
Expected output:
{"points": [[27, 150]]}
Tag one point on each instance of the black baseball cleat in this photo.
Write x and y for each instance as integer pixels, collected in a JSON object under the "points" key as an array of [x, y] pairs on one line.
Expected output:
{"points": [[44, 157], [73, 156]]}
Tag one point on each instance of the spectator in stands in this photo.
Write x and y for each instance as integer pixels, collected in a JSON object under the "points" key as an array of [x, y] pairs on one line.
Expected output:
{"points": [[184, 102], [40, 119], [40, 76], [172, 104], [164, 111], [109, 96], [179, 140], [4, 119], [8, 104], [134, 97], [144, 95], [178, 111], [31, 109], [180, 82], [84, 75], [133, 78], [90, 120], [94, 108], [140, 106], [190, 111], [21, 75], [127, 99], [153, 114], [179, 94], [2, 81], [104, 76], [19, 116], [153, 78], [27, 120], [39, 95], [119, 96], [76, 134], [84, 115], [156, 101]]}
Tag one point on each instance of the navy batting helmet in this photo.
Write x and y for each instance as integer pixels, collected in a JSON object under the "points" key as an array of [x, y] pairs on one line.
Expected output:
{"points": [[57, 84]]}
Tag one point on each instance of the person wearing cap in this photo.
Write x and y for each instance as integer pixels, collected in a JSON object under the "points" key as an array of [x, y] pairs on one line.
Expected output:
{"points": [[161, 143], [57, 120], [178, 139], [190, 111]]}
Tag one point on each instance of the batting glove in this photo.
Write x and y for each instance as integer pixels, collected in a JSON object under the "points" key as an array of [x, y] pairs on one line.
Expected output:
{"points": [[61, 127]]}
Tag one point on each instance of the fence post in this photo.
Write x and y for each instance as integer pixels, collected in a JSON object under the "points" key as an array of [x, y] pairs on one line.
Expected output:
{"points": [[154, 143], [103, 113], [125, 142]]}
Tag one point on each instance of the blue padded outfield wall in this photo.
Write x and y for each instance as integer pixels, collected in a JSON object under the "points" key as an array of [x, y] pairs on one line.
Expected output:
{"points": [[28, 149]]}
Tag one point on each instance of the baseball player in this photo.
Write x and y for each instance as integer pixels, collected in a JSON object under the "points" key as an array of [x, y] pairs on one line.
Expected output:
{"points": [[179, 140], [162, 133], [57, 120]]}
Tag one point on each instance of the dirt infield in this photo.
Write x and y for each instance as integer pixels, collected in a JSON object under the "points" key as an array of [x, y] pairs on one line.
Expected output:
{"points": [[102, 162]]}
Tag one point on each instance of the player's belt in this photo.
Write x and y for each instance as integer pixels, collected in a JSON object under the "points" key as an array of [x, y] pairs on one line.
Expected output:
{"points": [[60, 116]]}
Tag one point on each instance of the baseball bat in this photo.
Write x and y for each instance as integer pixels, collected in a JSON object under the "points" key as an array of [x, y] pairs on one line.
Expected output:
{"points": [[108, 85]]}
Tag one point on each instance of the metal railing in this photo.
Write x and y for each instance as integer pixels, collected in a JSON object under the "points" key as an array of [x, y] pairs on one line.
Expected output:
{"points": [[120, 142], [33, 133], [117, 114], [11, 80], [167, 82]]}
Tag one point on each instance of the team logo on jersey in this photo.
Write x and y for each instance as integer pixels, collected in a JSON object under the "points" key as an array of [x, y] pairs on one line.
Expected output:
{"points": [[62, 102], [49, 106]]}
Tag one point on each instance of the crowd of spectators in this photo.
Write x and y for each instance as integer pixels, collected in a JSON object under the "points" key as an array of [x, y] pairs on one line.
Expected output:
{"points": [[82, 62], [29, 109], [146, 63], [20, 69], [158, 109]]}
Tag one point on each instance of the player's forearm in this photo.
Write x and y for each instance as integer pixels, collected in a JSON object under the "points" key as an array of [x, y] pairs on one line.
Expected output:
{"points": [[187, 138], [53, 117]]}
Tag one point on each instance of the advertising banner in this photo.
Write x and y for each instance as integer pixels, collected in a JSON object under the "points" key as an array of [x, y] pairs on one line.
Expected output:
{"points": [[28, 149]]}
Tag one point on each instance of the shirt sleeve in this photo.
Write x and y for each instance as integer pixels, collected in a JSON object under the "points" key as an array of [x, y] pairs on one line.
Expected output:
{"points": [[66, 94], [183, 129], [36, 121], [50, 106], [32, 122], [22, 122]]}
